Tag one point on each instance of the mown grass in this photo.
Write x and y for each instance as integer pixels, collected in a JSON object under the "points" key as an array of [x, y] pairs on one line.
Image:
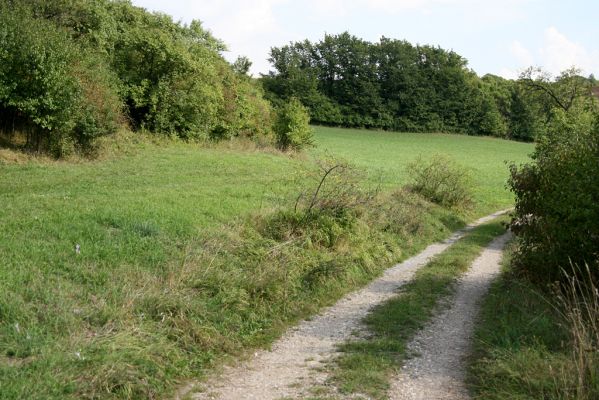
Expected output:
{"points": [[524, 347], [366, 365], [179, 263]]}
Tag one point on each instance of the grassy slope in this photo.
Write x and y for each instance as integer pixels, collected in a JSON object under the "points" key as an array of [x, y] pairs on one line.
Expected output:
{"points": [[138, 220], [386, 154]]}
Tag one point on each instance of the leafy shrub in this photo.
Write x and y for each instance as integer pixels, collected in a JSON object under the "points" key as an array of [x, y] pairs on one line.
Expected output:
{"points": [[292, 126], [70, 70], [64, 95], [557, 200], [442, 181]]}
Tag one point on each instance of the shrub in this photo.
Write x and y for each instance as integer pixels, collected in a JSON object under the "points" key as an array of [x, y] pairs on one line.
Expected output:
{"points": [[63, 95], [69, 70], [442, 181], [557, 200], [292, 126]]}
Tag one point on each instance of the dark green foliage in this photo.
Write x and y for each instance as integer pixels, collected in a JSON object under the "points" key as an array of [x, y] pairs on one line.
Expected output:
{"points": [[347, 81], [557, 200], [292, 126], [442, 181], [523, 121], [71, 68]]}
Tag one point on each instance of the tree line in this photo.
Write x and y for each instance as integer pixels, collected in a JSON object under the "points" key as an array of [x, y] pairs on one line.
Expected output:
{"points": [[75, 70], [394, 85]]}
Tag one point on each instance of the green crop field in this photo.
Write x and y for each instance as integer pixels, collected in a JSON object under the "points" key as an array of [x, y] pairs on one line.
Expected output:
{"points": [[113, 321]]}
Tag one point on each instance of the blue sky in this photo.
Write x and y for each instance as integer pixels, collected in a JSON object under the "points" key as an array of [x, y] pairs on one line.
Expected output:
{"points": [[499, 37]]}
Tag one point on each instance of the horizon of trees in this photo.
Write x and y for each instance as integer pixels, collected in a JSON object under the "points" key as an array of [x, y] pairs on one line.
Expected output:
{"points": [[75, 70], [394, 85]]}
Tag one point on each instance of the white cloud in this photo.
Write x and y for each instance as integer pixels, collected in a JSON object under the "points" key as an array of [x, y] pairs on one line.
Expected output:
{"points": [[559, 53], [490, 9], [555, 54], [508, 73], [521, 54], [328, 8]]}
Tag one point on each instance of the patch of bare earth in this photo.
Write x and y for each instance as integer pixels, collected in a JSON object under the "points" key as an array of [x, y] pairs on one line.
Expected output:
{"points": [[290, 368]]}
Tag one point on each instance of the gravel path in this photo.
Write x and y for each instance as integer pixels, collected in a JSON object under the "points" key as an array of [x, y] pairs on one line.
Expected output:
{"points": [[289, 366], [438, 370]]}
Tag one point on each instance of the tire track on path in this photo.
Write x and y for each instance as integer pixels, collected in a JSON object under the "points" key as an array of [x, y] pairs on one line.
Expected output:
{"points": [[438, 372]]}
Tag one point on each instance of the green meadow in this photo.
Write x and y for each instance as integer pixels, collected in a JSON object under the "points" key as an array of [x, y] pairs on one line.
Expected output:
{"points": [[386, 154], [176, 267]]}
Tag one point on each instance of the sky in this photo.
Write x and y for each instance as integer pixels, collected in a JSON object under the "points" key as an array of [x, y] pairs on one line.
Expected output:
{"points": [[500, 37]]}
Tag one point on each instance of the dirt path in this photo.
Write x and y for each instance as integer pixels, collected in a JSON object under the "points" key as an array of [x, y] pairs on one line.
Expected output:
{"points": [[438, 370], [288, 368]]}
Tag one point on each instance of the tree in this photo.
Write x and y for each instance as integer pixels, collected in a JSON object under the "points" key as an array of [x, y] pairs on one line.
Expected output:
{"points": [[242, 65], [523, 122], [347, 81], [567, 90]]}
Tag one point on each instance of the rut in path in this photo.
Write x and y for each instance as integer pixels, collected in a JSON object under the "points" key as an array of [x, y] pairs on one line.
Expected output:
{"points": [[437, 373], [288, 368]]}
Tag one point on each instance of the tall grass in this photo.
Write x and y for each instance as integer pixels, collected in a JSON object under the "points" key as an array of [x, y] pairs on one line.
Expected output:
{"points": [[578, 303], [190, 253], [537, 344], [122, 329]]}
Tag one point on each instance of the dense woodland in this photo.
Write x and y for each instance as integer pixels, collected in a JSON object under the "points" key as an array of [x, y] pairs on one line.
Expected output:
{"points": [[395, 85], [74, 70]]}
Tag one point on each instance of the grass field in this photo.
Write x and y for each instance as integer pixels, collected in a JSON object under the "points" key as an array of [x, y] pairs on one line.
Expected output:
{"points": [[386, 154], [164, 282]]}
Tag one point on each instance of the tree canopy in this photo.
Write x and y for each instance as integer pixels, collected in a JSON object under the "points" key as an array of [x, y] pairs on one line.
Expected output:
{"points": [[392, 84]]}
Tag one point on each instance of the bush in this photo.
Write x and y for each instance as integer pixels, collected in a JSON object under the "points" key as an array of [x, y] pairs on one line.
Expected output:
{"points": [[442, 181], [292, 126], [557, 200], [62, 94], [69, 70]]}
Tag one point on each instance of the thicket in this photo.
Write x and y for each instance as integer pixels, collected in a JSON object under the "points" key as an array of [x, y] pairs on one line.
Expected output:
{"points": [[557, 197], [394, 85], [74, 70]]}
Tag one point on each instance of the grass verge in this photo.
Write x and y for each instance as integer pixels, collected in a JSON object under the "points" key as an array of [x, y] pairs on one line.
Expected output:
{"points": [[366, 365], [527, 347]]}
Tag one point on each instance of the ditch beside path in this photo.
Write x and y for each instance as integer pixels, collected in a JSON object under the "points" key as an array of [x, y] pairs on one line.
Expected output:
{"points": [[438, 370], [290, 367]]}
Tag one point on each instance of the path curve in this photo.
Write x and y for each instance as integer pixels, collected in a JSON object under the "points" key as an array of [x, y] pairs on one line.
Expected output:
{"points": [[283, 371], [437, 373]]}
